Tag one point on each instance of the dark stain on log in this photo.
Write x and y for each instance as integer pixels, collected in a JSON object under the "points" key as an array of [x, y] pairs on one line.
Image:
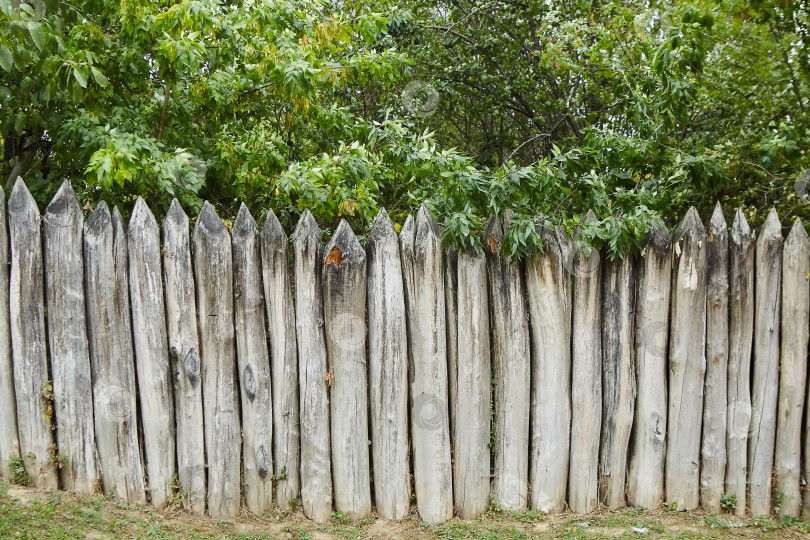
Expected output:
{"points": [[264, 461], [191, 365], [250, 383]]}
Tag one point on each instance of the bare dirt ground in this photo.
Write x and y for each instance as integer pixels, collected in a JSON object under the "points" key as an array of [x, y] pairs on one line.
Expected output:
{"points": [[31, 513]]}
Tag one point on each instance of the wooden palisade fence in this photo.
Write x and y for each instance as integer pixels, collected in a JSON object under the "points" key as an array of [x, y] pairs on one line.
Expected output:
{"points": [[362, 374]]}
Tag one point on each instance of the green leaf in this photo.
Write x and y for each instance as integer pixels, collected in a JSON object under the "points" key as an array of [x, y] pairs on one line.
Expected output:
{"points": [[81, 76], [5, 58], [37, 34], [101, 80], [78, 94]]}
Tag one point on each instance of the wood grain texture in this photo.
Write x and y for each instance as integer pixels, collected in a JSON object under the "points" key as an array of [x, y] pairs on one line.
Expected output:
{"points": [[344, 308], [511, 370], [112, 359], [316, 472], [388, 371], [687, 363], [765, 385], [618, 377], [184, 355], [213, 271], [253, 363], [29, 354], [471, 459], [283, 360], [586, 377], [423, 269], [713, 445], [67, 336], [451, 310], [740, 338], [793, 377], [548, 286], [9, 441], [151, 353], [645, 472]]}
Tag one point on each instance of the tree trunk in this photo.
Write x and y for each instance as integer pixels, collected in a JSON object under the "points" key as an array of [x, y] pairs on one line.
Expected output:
{"points": [[422, 254], [687, 363], [30, 357], [213, 270], [112, 360], [549, 292], [618, 377], [316, 473], [586, 378], [344, 296], [792, 381], [741, 332], [713, 447], [388, 371], [283, 360], [254, 364], [511, 372], [766, 364], [67, 333], [184, 355], [645, 477]]}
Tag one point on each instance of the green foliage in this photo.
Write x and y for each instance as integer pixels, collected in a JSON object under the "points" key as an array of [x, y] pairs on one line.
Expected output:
{"points": [[635, 110], [17, 473], [728, 501]]}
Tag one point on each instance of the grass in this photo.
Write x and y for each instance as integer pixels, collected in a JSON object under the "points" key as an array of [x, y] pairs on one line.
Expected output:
{"points": [[30, 513]]}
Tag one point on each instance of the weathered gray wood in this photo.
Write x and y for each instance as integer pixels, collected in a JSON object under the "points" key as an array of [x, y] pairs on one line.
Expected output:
{"points": [[26, 301], [423, 268], [586, 377], [213, 270], [254, 364], [471, 463], [388, 371], [283, 359], [316, 474], [151, 352], [511, 365], [112, 360], [792, 380], [687, 362], [741, 332], [67, 336], [9, 442], [451, 309], [344, 308], [184, 354], [618, 377], [548, 286], [645, 474], [765, 386], [713, 446]]}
